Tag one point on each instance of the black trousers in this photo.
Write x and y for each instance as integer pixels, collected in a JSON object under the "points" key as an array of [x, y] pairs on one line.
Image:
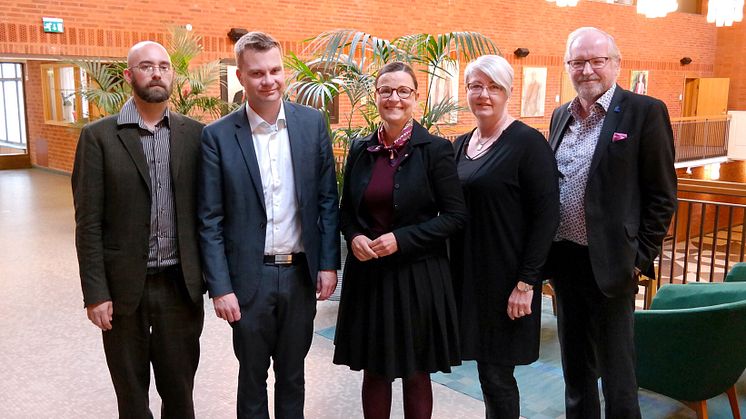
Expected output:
{"points": [[500, 391], [276, 324], [596, 335], [164, 331]]}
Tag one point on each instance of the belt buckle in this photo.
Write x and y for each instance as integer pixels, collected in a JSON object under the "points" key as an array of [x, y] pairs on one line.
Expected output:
{"points": [[284, 259]]}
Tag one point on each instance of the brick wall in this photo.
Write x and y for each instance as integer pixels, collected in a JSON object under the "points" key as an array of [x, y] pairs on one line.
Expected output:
{"points": [[111, 27], [730, 62]]}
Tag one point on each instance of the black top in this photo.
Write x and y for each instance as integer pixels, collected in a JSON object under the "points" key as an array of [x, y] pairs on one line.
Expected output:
{"points": [[513, 203], [467, 167]]}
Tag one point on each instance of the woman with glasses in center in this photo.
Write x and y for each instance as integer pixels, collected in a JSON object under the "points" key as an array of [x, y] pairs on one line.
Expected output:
{"points": [[401, 200], [509, 178]]}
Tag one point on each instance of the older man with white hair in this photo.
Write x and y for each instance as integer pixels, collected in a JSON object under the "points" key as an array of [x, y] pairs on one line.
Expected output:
{"points": [[614, 150]]}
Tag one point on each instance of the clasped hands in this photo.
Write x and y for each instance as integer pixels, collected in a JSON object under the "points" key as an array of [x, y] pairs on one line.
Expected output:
{"points": [[366, 249]]}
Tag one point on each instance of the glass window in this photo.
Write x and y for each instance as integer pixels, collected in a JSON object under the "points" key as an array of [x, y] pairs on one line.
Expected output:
{"points": [[12, 114], [63, 104]]}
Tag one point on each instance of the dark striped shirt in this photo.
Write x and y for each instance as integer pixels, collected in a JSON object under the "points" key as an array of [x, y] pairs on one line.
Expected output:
{"points": [[163, 246]]}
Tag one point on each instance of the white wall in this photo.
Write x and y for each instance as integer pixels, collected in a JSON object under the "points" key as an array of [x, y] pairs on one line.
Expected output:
{"points": [[737, 135]]}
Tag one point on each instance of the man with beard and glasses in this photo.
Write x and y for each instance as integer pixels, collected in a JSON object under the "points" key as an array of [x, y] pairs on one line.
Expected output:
{"points": [[615, 154], [134, 187]]}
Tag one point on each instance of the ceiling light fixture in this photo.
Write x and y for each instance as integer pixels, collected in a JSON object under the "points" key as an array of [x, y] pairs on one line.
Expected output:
{"points": [[724, 12], [656, 8], [563, 3]]}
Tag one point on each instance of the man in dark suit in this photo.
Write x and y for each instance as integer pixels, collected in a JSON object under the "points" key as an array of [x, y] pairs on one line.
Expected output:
{"points": [[134, 187], [268, 228], [615, 154]]}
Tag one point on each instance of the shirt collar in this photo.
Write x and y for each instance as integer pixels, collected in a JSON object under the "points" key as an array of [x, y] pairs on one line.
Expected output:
{"points": [[604, 102], [257, 122], [130, 116]]}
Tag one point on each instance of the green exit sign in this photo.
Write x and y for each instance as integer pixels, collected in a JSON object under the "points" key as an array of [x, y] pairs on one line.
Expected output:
{"points": [[53, 25]]}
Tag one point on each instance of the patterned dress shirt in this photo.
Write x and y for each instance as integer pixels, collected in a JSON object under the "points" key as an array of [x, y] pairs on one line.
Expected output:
{"points": [[574, 157]]}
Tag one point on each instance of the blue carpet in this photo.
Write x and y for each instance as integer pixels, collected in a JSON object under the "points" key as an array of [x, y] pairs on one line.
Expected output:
{"points": [[542, 389]]}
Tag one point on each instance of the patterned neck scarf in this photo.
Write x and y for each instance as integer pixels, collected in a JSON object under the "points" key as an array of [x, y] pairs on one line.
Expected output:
{"points": [[396, 147]]}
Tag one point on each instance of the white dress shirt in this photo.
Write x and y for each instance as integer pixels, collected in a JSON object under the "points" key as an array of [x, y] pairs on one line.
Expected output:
{"points": [[272, 147]]}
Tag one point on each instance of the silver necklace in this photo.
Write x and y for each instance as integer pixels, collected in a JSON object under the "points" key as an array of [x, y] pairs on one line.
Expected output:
{"points": [[481, 144], [503, 125]]}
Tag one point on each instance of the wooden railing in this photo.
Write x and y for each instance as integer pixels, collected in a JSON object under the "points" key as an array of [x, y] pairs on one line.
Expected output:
{"points": [[698, 138], [706, 236]]}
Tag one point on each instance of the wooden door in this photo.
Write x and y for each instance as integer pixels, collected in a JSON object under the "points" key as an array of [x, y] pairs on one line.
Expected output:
{"points": [[706, 96], [713, 96], [691, 93]]}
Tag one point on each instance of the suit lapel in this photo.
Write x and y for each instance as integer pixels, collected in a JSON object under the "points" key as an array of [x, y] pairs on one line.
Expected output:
{"points": [[131, 140], [175, 146], [558, 131], [613, 116], [298, 150], [246, 144]]}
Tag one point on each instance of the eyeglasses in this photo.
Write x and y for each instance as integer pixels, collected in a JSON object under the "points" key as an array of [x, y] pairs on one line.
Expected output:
{"points": [[477, 89], [595, 62], [402, 91], [150, 68]]}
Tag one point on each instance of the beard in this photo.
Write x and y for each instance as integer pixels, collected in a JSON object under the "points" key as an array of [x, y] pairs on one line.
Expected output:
{"points": [[590, 91], [153, 92]]}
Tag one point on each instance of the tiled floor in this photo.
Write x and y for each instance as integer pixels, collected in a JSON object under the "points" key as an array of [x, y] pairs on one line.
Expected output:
{"points": [[51, 357]]}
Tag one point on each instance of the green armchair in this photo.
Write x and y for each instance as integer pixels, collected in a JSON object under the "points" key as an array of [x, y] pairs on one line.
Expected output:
{"points": [[691, 343], [737, 273]]}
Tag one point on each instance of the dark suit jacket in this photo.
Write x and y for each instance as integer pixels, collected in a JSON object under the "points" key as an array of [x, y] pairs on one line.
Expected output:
{"points": [[428, 200], [631, 191], [111, 190], [231, 201]]}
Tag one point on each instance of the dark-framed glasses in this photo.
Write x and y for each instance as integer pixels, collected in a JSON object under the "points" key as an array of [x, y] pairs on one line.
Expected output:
{"points": [[595, 62], [478, 88], [149, 69], [402, 91]]}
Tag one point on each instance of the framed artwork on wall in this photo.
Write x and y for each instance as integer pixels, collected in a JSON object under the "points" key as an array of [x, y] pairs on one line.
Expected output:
{"points": [[639, 82], [534, 91], [444, 85], [230, 88]]}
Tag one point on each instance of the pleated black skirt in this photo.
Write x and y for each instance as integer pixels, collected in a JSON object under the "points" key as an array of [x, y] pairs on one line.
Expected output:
{"points": [[397, 317]]}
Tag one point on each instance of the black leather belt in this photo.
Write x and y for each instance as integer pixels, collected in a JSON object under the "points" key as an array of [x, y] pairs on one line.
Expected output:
{"points": [[288, 259], [162, 270]]}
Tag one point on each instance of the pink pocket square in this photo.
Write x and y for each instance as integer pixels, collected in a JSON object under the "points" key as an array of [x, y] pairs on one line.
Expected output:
{"points": [[618, 136]]}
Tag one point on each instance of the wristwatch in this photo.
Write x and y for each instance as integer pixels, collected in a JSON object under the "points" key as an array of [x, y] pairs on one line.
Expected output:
{"points": [[523, 287]]}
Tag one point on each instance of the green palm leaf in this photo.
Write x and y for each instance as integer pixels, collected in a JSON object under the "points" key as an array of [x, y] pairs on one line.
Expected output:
{"points": [[438, 111]]}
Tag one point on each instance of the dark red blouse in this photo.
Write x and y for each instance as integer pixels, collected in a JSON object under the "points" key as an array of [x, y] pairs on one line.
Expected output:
{"points": [[379, 195]]}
